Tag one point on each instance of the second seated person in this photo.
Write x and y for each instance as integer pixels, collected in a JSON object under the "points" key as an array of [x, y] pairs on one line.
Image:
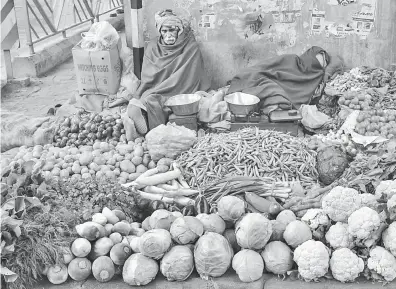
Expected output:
{"points": [[172, 65]]}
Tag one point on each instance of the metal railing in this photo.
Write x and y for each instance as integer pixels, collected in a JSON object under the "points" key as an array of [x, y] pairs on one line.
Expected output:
{"points": [[42, 19]]}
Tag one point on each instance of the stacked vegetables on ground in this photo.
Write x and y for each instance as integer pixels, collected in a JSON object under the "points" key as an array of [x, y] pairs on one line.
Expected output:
{"points": [[85, 128], [377, 122], [350, 235], [248, 152], [124, 161]]}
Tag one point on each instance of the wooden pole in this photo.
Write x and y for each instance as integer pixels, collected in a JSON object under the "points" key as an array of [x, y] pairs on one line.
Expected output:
{"points": [[8, 64], [133, 17]]}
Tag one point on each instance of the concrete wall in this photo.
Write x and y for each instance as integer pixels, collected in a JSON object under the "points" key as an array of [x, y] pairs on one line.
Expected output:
{"points": [[237, 33]]}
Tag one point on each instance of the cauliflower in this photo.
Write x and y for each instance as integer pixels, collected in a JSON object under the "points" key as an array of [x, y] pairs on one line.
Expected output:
{"points": [[317, 221], [389, 238], [346, 265], [369, 200], [382, 264], [386, 188], [340, 203], [312, 258], [338, 236], [363, 223], [391, 206]]}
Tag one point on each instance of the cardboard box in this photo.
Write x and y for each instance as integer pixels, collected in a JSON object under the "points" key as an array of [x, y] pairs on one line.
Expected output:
{"points": [[98, 72]]}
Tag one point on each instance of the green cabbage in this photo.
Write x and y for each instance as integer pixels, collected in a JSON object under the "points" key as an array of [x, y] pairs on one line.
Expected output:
{"points": [[155, 243], [186, 230], [253, 231], [212, 255], [178, 263]]}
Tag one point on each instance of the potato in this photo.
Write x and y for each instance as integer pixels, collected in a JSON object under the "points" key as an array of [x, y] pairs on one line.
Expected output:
{"points": [[141, 169], [137, 160]]}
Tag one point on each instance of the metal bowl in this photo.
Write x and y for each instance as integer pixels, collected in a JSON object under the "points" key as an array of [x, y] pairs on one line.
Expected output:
{"points": [[241, 103], [184, 104]]}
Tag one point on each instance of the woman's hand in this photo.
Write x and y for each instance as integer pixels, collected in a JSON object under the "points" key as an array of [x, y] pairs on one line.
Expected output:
{"points": [[118, 102]]}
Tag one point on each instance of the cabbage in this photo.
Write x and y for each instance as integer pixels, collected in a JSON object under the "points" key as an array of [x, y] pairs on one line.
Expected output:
{"points": [[186, 230], [178, 263], [139, 270], [212, 223], [249, 265], [161, 219], [155, 243], [296, 233], [230, 208], [253, 231], [278, 257], [212, 255]]}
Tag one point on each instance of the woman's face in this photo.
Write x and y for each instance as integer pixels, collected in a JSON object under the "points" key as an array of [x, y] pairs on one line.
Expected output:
{"points": [[169, 34]]}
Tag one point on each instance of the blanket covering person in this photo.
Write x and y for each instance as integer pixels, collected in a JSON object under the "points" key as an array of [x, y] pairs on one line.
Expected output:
{"points": [[286, 81], [167, 70]]}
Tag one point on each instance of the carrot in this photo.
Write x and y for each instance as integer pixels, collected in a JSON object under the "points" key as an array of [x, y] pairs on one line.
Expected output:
{"points": [[148, 173], [321, 191], [167, 187], [183, 182], [292, 202], [154, 197], [158, 178], [306, 207]]}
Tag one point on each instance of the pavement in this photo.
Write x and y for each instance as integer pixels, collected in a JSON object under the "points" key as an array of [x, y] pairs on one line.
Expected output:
{"points": [[228, 281]]}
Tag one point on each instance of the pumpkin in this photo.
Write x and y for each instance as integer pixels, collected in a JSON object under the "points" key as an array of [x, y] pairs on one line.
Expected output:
{"points": [[122, 228], [108, 228], [101, 247], [110, 215], [81, 247], [57, 274], [116, 237], [79, 269], [99, 218], [120, 253], [103, 269]]}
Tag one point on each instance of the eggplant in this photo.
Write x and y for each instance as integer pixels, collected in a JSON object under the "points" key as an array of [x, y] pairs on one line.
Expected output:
{"points": [[189, 211], [157, 205], [201, 205]]}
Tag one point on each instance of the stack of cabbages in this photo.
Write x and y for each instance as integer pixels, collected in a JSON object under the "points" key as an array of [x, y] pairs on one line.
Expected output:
{"points": [[351, 235]]}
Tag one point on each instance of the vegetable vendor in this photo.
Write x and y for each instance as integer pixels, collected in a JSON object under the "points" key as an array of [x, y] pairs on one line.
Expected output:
{"points": [[172, 65], [285, 82]]}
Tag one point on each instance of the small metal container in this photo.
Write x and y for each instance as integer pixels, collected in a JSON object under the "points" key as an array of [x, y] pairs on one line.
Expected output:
{"points": [[184, 104], [241, 104]]}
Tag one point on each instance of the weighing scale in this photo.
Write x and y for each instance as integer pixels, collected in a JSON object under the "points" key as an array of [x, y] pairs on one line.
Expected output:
{"points": [[281, 120], [188, 121]]}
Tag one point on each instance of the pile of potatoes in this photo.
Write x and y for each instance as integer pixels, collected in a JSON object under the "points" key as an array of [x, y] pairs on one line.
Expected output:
{"points": [[124, 161]]}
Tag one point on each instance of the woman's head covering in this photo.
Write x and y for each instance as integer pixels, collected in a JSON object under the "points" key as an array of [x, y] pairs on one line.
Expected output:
{"points": [[168, 18]]}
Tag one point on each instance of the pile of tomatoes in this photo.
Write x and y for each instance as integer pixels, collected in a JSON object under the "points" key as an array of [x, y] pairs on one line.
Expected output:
{"points": [[377, 122]]}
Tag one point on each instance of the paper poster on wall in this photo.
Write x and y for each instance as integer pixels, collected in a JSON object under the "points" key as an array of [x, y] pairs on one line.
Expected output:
{"points": [[341, 2], [317, 21], [363, 21], [208, 20], [339, 30]]}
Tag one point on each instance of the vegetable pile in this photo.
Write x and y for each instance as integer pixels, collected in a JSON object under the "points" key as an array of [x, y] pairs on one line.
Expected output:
{"points": [[377, 122], [248, 152], [85, 128]]}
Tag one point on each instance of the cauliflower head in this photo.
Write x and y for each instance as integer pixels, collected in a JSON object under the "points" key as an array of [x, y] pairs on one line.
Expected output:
{"points": [[340, 203], [346, 265], [391, 206], [386, 188], [382, 263], [338, 236], [369, 200], [389, 238], [312, 258], [363, 223], [315, 218]]}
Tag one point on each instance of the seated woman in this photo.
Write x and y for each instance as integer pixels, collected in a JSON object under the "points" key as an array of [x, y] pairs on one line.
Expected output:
{"points": [[172, 65], [284, 82]]}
